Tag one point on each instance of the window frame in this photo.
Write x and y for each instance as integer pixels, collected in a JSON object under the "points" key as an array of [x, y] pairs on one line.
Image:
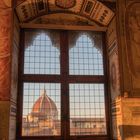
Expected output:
{"points": [[64, 79]]}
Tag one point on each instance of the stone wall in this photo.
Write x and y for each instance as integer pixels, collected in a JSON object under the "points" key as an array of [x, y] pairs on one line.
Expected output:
{"points": [[14, 78], [130, 119], [128, 29], [114, 76], [9, 46], [5, 66], [132, 31], [112, 49], [126, 108], [127, 112]]}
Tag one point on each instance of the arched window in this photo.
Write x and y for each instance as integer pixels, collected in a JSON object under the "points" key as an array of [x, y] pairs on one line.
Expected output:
{"points": [[85, 57], [62, 82], [41, 56]]}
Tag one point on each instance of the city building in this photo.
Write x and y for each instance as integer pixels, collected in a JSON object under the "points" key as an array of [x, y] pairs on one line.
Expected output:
{"points": [[43, 120]]}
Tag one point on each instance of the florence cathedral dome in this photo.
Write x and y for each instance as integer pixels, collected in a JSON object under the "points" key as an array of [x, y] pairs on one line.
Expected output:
{"points": [[44, 107]]}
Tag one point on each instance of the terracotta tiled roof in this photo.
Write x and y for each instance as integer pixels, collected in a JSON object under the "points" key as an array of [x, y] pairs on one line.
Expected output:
{"points": [[44, 105]]}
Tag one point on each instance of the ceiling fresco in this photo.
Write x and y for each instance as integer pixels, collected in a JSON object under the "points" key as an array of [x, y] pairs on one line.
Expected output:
{"points": [[92, 10]]}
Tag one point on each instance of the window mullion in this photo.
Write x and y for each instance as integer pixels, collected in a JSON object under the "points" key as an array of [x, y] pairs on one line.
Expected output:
{"points": [[20, 85], [107, 95], [64, 84]]}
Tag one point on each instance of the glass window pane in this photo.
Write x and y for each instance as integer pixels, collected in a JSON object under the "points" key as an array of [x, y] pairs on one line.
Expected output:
{"points": [[41, 109], [41, 53], [85, 54], [87, 109]]}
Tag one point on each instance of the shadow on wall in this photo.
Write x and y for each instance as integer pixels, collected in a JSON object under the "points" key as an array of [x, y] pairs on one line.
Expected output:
{"points": [[131, 132]]}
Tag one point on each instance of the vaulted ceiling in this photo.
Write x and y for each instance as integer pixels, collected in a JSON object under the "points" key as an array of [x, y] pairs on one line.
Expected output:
{"points": [[90, 10]]}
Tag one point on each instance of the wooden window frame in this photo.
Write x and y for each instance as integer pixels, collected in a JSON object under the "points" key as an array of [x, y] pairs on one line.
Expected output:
{"points": [[64, 79]]}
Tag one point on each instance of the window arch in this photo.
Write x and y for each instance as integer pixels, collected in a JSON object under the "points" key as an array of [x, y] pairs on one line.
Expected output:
{"points": [[41, 55], [85, 57]]}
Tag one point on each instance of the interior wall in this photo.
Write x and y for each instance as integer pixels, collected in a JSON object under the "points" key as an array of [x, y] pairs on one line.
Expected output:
{"points": [[128, 32], [132, 31], [128, 24], [123, 50], [5, 66], [14, 78], [112, 49], [114, 76], [9, 46]]}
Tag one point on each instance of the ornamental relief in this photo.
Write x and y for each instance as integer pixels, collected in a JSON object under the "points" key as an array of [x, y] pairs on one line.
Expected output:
{"points": [[66, 4]]}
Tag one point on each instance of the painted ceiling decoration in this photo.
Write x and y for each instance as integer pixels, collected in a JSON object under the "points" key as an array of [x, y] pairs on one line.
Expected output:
{"points": [[93, 10], [66, 4]]}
